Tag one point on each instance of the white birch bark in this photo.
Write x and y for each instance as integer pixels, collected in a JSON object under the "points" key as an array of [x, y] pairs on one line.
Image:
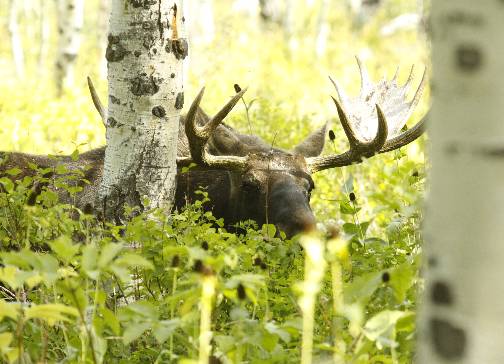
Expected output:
{"points": [[103, 20], [70, 22], [15, 38], [145, 71], [461, 319]]}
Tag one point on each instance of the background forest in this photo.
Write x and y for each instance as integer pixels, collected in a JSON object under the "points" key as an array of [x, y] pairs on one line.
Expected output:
{"points": [[104, 302]]}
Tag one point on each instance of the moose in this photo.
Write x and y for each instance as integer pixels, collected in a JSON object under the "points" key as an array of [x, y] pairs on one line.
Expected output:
{"points": [[248, 179]]}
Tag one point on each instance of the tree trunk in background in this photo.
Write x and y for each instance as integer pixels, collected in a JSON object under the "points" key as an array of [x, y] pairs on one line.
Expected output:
{"points": [[201, 25], [270, 11], [461, 318], [288, 24], [44, 29], [145, 71], [322, 28], [70, 22], [103, 21], [15, 38], [363, 10]]}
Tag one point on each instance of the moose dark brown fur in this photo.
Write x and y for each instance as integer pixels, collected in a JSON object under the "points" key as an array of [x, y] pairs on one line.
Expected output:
{"points": [[248, 179]]}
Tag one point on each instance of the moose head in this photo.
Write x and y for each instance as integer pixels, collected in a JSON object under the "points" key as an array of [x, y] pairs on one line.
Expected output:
{"points": [[247, 179], [273, 186]]}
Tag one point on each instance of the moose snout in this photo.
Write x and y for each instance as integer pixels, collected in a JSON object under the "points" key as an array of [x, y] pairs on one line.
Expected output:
{"points": [[290, 212]]}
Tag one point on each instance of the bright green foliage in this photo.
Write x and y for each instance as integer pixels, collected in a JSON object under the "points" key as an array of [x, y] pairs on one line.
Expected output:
{"points": [[79, 290]]}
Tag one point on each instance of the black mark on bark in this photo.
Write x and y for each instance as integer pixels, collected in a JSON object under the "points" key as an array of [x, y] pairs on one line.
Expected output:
{"points": [[142, 3], [441, 293], [180, 48], [469, 57], [464, 18], [179, 102], [115, 50], [111, 122], [145, 85], [159, 111], [148, 41], [114, 100], [449, 341]]}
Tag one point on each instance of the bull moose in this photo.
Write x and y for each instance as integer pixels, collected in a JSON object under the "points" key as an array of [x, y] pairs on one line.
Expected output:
{"points": [[248, 179]]}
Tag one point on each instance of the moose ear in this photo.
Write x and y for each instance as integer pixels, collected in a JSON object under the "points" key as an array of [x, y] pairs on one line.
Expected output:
{"points": [[313, 145]]}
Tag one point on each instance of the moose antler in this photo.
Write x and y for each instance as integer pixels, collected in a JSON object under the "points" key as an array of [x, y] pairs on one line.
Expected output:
{"points": [[198, 136], [366, 136]]}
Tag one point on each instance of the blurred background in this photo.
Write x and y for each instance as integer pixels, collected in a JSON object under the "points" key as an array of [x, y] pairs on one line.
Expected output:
{"points": [[283, 50]]}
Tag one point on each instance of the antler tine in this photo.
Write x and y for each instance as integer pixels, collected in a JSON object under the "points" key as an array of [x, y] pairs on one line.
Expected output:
{"points": [[220, 116], [419, 91], [96, 101], [345, 123], [407, 137], [396, 74], [198, 136], [391, 104], [341, 94], [381, 134], [410, 78], [365, 79]]}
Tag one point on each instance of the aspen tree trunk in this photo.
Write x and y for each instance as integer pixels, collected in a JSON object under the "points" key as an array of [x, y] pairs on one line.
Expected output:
{"points": [[288, 23], [461, 319], [103, 20], [270, 11], [70, 22], [43, 35], [322, 28], [15, 38], [145, 56], [201, 25]]}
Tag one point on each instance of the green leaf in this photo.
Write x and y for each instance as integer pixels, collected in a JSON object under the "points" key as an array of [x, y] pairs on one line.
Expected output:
{"points": [[52, 312], [401, 280], [89, 261], [5, 341], [9, 309], [140, 311], [134, 331], [64, 248], [380, 327], [108, 253], [361, 289], [13, 171], [269, 341], [111, 320], [134, 260], [163, 329], [75, 155]]}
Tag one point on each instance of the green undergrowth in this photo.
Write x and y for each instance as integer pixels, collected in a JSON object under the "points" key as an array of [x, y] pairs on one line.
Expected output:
{"points": [[75, 289]]}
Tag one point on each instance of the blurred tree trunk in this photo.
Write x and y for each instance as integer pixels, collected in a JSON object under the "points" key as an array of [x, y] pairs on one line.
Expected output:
{"points": [[201, 23], [145, 56], [322, 28], [70, 22], [15, 38], [103, 21], [270, 11], [44, 29], [461, 318], [288, 23], [362, 11]]}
